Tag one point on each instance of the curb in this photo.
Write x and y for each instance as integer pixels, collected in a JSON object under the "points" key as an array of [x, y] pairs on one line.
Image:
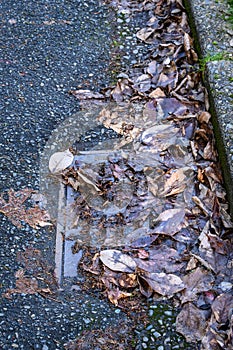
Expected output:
{"points": [[214, 37]]}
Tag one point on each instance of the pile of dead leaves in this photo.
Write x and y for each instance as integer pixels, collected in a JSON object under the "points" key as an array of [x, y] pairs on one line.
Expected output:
{"points": [[116, 338], [36, 276], [178, 242], [17, 207]]}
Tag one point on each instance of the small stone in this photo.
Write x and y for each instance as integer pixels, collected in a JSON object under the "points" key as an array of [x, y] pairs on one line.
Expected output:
{"points": [[144, 345], [156, 334], [117, 311], [145, 339], [151, 312], [168, 313], [86, 320], [148, 328], [160, 347], [45, 347]]}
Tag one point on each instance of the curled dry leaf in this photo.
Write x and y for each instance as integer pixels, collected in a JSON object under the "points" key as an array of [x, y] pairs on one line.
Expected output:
{"points": [[59, 161], [169, 221], [164, 284], [161, 259], [222, 308], [191, 322], [219, 332], [196, 282], [15, 209], [115, 294], [117, 261], [86, 94], [176, 182]]}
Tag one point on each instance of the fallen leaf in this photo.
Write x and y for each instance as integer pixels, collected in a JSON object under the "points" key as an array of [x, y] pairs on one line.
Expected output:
{"points": [[86, 94], [169, 221], [191, 323], [115, 295], [164, 284], [144, 34], [158, 92], [161, 259], [177, 182], [24, 285], [222, 307], [60, 161], [143, 83], [117, 261], [196, 282], [17, 211]]}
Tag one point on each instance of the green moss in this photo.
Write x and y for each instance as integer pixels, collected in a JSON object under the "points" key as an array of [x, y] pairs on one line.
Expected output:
{"points": [[219, 56], [230, 18]]}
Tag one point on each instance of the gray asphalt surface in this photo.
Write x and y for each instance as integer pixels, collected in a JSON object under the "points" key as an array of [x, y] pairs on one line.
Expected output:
{"points": [[48, 48]]}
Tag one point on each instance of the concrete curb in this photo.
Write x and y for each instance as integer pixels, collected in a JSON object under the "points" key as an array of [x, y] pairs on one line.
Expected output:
{"points": [[214, 38]]}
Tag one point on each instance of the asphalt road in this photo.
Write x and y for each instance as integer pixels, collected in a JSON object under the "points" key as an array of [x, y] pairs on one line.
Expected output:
{"points": [[48, 48]]}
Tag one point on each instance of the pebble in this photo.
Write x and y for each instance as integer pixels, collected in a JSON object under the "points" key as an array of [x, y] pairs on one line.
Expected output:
{"points": [[151, 312], [168, 313], [145, 339], [157, 334], [117, 311], [45, 347]]}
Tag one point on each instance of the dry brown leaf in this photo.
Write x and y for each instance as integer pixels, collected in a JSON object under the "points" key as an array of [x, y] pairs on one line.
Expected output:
{"points": [[59, 161], [161, 259], [144, 34], [144, 287], [196, 282], [164, 284], [157, 93], [24, 285], [204, 117], [177, 182], [222, 308], [86, 94], [117, 261], [37, 217], [170, 221], [191, 322], [122, 90], [15, 209], [142, 83], [115, 295]]}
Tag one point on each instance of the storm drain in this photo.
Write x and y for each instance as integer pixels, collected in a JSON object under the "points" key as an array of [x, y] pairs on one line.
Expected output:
{"points": [[114, 194], [81, 207]]}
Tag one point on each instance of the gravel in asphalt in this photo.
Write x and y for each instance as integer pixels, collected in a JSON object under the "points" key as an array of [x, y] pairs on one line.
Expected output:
{"points": [[48, 48]]}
